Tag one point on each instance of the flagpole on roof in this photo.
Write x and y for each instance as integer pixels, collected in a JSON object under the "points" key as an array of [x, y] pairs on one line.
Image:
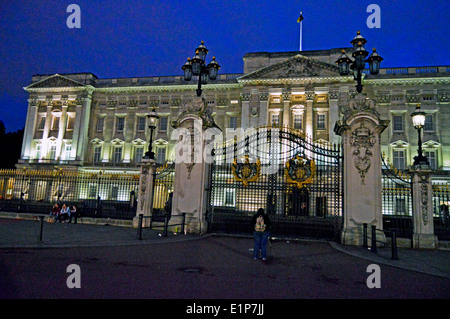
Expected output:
{"points": [[300, 20], [301, 25]]}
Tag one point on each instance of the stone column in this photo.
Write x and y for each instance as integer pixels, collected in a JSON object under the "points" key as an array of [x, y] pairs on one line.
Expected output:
{"points": [[286, 110], [333, 97], [82, 138], [30, 126], [422, 197], [361, 129], [245, 116], [145, 192], [263, 108], [309, 115], [195, 130]]}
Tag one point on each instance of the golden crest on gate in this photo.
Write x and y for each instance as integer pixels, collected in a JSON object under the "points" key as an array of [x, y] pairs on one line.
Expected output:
{"points": [[246, 171], [300, 171]]}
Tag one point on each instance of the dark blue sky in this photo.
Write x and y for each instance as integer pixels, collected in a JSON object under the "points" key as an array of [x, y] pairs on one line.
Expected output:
{"points": [[121, 38]]}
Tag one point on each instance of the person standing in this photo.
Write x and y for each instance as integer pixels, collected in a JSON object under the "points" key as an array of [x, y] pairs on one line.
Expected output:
{"points": [[261, 232]]}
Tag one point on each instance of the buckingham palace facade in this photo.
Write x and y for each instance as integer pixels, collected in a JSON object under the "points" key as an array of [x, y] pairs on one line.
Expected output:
{"points": [[86, 123]]}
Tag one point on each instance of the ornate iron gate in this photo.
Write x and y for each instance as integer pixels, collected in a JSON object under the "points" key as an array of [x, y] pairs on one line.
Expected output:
{"points": [[396, 201], [297, 182]]}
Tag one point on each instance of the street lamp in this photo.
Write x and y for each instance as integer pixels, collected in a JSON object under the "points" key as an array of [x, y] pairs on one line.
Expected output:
{"points": [[418, 118], [357, 65], [153, 118], [196, 66]]}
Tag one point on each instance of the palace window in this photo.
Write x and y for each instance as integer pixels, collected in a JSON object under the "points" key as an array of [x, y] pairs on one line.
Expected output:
{"points": [[399, 159], [431, 155], [321, 122], [228, 199], [100, 123], [53, 152], [138, 154], [297, 121], [233, 122], [117, 155], [41, 125], [120, 124], [141, 124], [97, 154], [70, 122], [67, 151], [429, 125], [163, 123], [38, 151], [161, 155], [276, 119], [400, 206], [55, 122], [397, 123]]}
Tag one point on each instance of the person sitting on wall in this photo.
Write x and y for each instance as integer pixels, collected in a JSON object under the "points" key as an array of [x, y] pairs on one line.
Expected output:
{"points": [[64, 213], [54, 213]]}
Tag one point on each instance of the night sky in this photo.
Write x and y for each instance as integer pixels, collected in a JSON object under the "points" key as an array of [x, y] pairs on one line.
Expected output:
{"points": [[121, 38]]}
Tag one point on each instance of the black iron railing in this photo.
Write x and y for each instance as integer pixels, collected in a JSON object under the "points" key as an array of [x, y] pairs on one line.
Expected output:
{"points": [[373, 240], [162, 223]]}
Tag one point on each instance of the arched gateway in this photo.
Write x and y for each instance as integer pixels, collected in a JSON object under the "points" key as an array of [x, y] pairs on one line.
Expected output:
{"points": [[298, 182]]}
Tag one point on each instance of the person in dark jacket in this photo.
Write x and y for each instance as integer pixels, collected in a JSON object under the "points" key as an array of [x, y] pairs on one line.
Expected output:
{"points": [[261, 232]]}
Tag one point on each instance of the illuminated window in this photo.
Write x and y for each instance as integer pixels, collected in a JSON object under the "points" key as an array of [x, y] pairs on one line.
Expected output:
{"points": [[117, 156], [431, 155], [38, 151], [161, 155], [41, 125], [297, 121], [138, 154], [97, 154], [70, 121], [53, 152], [228, 199], [55, 122], [67, 151], [275, 119], [400, 206], [321, 122], [399, 159]]}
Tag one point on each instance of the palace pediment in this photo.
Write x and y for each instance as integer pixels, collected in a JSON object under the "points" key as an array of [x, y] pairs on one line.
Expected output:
{"points": [[55, 81], [295, 67]]}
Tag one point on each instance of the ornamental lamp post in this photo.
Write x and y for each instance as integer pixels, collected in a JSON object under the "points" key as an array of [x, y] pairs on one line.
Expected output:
{"points": [[418, 119], [358, 64], [153, 118], [196, 66]]}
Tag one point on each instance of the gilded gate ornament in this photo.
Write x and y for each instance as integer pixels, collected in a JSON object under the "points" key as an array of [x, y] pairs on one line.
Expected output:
{"points": [[244, 171], [300, 171]]}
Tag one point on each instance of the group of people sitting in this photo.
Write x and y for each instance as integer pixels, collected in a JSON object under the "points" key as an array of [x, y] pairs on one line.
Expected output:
{"points": [[64, 214]]}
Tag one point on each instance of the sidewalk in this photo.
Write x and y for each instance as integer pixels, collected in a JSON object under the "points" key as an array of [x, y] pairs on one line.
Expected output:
{"points": [[20, 233]]}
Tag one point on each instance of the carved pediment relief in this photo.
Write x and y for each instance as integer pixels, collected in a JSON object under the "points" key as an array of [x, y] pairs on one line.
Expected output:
{"points": [[55, 81], [298, 66]]}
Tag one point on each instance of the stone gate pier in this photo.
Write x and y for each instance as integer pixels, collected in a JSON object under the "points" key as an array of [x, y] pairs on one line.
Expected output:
{"points": [[360, 129]]}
